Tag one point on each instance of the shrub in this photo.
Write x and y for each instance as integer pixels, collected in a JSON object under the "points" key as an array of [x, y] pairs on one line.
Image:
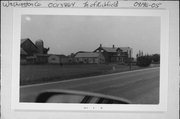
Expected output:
{"points": [[144, 61], [156, 58]]}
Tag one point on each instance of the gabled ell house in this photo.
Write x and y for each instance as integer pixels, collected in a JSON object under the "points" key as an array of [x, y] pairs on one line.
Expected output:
{"points": [[115, 54]]}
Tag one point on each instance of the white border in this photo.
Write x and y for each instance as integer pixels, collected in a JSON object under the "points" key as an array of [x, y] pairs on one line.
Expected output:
{"points": [[162, 106]]}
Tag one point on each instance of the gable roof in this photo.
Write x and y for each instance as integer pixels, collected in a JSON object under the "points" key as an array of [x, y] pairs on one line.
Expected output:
{"points": [[125, 49], [111, 49], [23, 52], [87, 54], [25, 39]]}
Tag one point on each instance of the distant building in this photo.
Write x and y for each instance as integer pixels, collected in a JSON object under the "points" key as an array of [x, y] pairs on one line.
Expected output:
{"points": [[115, 54], [29, 47], [58, 59], [33, 53], [89, 58], [23, 56]]}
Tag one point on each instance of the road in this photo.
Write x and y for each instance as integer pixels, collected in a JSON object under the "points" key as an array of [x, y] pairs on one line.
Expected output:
{"points": [[140, 87]]}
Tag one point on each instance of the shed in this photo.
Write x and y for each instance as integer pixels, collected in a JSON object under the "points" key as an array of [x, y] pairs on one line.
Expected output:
{"points": [[57, 59], [89, 58]]}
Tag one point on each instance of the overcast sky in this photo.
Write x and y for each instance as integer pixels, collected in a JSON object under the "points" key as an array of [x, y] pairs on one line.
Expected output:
{"points": [[70, 34]]}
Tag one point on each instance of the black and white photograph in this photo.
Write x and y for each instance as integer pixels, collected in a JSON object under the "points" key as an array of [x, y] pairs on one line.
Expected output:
{"points": [[90, 59], [92, 62]]}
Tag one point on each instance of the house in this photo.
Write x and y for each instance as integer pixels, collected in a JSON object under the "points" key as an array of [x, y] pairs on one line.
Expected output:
{"points": [[33, 53], [58, 59], [89, 58], [115, 54]]}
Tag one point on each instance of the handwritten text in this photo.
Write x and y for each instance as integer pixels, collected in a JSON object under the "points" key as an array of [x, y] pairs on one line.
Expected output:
{"points": [[21, 4], [100, 4], [147, 5], [61, 5]]}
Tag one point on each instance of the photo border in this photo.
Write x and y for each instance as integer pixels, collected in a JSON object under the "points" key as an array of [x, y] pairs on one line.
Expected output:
{"points": [[164, 51]]}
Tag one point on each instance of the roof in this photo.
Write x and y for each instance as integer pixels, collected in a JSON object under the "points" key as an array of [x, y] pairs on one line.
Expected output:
{"points": [[23, 52], [87, 54], [25, 39], [110, 49], [58, 55], [83, 51], [125, 49], [42, 55]]}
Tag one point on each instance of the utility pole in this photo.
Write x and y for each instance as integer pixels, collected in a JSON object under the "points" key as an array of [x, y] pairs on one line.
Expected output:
{"points": [[130, 65]]}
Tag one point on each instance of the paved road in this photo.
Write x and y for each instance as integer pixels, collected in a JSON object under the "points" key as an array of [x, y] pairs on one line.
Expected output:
{"points": [[140, 87]]}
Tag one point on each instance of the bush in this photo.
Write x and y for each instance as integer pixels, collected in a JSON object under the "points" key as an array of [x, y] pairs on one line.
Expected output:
{"points": [[156, 58], [144, 61]]}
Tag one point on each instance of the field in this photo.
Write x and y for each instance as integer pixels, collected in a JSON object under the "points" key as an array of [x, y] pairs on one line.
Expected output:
{"points": [[33, 74]]}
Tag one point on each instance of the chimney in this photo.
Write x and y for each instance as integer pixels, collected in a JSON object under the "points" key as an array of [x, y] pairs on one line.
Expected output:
{"points": [[100, 45], [113, 46]]}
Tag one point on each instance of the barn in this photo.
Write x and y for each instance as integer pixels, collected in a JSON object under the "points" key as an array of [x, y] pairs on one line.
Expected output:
{"points": [[33, 53]]}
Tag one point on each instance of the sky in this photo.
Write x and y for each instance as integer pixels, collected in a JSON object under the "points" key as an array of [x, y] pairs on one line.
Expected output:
{"points": [[70, 34]]}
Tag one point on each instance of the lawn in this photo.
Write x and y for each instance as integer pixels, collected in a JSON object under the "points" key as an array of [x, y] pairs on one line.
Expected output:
{"points": [[33, 74]]}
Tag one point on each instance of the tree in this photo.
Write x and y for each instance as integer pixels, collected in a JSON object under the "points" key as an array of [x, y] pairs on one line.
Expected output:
{"points": [[144, 61], [155, 58]]}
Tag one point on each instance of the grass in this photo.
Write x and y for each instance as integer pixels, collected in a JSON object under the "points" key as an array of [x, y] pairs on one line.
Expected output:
{"points": [[33, 74]]}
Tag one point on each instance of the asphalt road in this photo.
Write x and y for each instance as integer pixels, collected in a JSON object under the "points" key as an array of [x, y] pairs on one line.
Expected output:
{"points": [[140, 87]]}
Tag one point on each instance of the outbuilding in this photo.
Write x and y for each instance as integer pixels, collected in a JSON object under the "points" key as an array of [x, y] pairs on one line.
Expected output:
{"points": [[57, 59], [89, 58]]}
